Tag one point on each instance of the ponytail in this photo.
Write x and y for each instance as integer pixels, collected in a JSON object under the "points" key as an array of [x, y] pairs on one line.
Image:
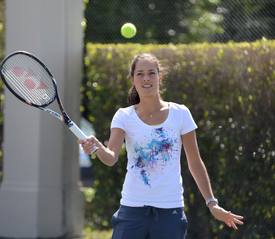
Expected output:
{"points": [[133, 97]]}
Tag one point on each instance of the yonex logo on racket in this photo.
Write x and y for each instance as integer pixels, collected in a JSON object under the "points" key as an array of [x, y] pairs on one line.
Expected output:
{"points": [[29, 83]]}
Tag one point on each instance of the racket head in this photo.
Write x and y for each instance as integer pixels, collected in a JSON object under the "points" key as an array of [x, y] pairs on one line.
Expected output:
{"points": [[28, 79]]}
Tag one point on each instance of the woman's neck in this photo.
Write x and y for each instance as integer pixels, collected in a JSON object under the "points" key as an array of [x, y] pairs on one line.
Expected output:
{"points": [[152, 107]]}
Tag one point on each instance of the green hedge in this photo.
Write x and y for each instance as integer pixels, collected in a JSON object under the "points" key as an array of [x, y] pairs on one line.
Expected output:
{"points": [[229, 90]]}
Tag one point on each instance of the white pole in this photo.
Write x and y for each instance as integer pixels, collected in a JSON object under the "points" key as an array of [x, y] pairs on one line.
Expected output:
{"points": [[31, 194]]}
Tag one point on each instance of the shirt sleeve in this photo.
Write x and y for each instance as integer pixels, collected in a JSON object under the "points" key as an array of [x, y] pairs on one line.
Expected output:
{"points": [[188, 123], [118, 120]]}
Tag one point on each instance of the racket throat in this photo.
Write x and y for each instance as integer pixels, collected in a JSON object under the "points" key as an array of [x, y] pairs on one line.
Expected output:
{"points": [[66, 119]]}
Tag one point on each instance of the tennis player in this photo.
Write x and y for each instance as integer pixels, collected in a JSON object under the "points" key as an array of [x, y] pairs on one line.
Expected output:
{"points": [[154, 132]]}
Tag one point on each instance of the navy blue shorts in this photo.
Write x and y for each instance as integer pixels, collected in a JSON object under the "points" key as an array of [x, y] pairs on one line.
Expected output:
{"points": [[149, 223]]}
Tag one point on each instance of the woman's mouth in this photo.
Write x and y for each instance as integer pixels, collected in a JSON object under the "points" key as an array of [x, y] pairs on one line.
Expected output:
{"points": [[146, 86]]}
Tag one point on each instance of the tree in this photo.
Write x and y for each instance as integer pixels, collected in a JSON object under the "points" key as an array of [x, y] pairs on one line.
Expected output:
{"points": [[247, 20], [160, 22]]}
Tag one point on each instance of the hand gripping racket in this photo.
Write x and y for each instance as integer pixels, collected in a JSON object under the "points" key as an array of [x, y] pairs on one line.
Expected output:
{"points": [[33, 83]]}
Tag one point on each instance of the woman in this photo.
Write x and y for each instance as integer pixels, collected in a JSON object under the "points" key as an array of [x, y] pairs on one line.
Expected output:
{"points": [[154, 132]]}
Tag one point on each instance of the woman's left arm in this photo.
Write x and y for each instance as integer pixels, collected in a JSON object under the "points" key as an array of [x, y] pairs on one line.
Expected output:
{"points": [[200, 175]]}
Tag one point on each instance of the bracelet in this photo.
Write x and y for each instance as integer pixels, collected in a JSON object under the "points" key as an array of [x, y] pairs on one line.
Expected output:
{"points": [[211, 200]]}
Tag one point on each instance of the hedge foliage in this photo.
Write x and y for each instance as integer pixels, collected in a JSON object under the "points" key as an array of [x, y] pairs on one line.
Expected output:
{"points": [[229, 89]]}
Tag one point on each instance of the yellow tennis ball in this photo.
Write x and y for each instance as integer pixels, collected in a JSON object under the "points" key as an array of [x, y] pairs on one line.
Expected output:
{"points": [[128, 30]]}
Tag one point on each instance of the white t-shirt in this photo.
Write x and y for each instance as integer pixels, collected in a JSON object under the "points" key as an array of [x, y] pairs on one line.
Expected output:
{"points": [[153, 175]]}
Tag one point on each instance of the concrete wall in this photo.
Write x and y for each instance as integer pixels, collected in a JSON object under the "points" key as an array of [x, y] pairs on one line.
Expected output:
{"points": [[32, 201]]}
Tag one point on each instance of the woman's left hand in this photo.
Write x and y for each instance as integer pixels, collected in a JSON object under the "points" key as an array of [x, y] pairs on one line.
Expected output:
{"points": [[227, 217]]}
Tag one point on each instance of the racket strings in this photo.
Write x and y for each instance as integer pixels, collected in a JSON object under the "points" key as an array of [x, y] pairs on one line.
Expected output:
{"points": [[29, 79]]}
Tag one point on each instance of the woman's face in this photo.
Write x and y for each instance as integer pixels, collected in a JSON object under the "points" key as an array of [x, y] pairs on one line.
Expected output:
{"points": [[146, 78]]}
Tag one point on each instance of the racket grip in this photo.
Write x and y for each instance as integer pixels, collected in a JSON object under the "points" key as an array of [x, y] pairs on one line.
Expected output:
{"points": [[79, 133]]}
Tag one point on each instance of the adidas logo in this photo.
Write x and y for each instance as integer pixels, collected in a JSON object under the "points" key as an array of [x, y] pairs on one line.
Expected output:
{"points": [[175, 212]]}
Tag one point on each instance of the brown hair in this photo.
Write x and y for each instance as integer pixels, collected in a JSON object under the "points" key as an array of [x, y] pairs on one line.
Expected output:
{"points": [[133, 97]]}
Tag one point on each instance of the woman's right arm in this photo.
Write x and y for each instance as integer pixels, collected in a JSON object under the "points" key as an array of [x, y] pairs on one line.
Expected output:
{"points": [[108, 155]]}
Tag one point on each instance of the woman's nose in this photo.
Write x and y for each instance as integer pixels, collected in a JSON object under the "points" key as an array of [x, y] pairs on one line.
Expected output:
{"points": [[146, 77]]}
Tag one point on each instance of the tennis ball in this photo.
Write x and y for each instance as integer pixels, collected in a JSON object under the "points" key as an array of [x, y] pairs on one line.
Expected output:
{"points": [[128, 30]]}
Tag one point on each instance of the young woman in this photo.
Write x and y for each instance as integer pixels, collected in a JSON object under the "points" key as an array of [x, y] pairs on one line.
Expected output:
{"points": [[154, 132]]}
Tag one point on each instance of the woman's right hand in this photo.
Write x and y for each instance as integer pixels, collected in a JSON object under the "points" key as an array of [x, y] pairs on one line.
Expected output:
{"points": [[89, 144], [108, 155]]}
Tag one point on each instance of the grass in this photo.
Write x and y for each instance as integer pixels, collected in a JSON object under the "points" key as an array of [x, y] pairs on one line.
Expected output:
{"points": [[96, 234]]}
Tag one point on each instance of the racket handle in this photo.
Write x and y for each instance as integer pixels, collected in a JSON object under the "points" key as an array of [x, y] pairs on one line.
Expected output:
{"points": [[78, 133]]}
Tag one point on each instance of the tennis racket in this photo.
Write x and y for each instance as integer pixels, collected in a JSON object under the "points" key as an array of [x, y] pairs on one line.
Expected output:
{"points": [[32, 82]]}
